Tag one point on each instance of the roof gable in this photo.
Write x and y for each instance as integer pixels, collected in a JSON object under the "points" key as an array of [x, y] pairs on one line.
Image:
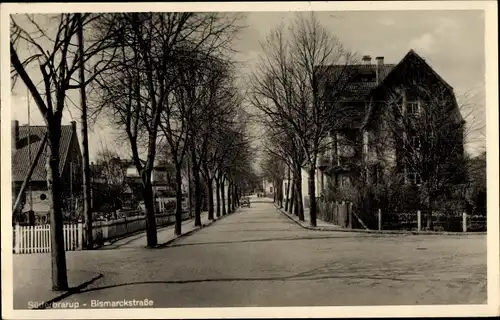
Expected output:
{"points": [[20, 157], [418, 66]]}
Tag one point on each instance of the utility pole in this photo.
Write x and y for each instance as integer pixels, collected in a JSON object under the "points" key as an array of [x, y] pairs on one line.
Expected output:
{"points": [[29, 147], [190, 194], [87, 205]]}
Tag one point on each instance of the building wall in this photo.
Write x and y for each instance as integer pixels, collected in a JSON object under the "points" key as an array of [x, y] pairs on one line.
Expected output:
{"points": [[37, 190]]}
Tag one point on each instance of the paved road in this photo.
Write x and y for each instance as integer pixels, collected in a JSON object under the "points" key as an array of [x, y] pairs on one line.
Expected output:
{"points": [[258, 257]]}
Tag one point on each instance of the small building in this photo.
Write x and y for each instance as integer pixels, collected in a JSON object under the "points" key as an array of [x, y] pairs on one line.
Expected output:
{"points": [[26, 142]]}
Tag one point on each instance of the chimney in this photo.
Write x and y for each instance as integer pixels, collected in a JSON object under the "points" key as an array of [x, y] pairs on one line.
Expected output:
{"points": [[15, 134], [380, 64], [73, 126], [367, 60]]}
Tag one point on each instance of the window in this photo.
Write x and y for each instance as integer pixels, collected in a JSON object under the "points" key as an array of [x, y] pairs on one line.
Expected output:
{"points": [[344, 181], [413, 107], [415, 142], [413, 178], [376, 173]]}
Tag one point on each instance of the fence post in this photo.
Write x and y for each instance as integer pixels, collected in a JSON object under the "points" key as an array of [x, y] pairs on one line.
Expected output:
{"points": [[349, 212], [17, 238], [464, 222], [419, 221], [80, 236], [380, 219]]}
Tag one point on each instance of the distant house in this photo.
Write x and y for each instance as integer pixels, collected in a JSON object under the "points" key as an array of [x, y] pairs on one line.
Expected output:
{"points": [[355, 142], [268, 187], [28, 139], [160, 179]]}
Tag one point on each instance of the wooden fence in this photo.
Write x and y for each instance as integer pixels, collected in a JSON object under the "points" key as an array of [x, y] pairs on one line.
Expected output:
{"points": [[36, 239], [338, 213]]}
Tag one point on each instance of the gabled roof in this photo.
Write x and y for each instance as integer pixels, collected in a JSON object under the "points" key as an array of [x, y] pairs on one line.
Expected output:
{"points": [[20, 157], [385, 83]]}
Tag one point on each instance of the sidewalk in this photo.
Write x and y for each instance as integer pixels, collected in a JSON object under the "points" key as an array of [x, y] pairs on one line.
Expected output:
{"points": [[320, 224], [165, 235], [32, 272], [32, 284]]}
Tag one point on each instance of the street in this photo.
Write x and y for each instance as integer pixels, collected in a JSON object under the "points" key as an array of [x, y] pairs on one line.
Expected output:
{"points": [[258, 257]]}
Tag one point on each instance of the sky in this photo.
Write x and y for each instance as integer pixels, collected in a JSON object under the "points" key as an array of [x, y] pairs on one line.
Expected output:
{"points": [[452, 42]]}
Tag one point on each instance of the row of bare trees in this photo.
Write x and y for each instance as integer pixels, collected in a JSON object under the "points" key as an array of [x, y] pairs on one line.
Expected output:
{"points": [[174, 80], [157, 76], [293, 97]]}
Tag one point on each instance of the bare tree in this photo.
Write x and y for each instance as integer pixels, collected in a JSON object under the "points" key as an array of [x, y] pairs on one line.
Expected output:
{"points": [[293, 86], [53, 53]]}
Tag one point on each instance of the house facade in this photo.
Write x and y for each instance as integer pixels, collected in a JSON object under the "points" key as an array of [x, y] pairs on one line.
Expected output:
{"points": [[373, 139], [26, 142]]}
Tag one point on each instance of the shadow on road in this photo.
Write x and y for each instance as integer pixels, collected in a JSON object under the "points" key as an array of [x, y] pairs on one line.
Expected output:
{"points": [[274, 239], [311, 275]]}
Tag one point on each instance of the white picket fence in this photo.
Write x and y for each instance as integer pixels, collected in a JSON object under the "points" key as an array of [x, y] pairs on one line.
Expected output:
{"points": [[36, 239]]}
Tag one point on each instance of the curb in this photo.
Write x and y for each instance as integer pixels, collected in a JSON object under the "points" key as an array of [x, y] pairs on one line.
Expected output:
{"points": [[68, 293], [190, 232], [406, 232]]}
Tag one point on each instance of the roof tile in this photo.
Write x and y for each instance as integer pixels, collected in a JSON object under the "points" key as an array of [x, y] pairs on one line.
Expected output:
{"points": [[20, 157]]}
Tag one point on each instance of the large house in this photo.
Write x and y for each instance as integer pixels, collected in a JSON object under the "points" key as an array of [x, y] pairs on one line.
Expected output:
{"points": [[26, 142], [365, 143]]}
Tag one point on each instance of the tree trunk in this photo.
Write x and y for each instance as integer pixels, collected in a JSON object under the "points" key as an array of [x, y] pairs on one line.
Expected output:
{"points": [[300, 202], [197, 199], [217, 195], [430, 208], [280, 196], [58, 254], [312, 195], [229, 187], [275, 200], [233, 197], [210, 191], [292, 196], [149, 203], [237, 192], [287, 197], [178, 198], [296, 200], [190, 190], [223, 196], [197, 189]]}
